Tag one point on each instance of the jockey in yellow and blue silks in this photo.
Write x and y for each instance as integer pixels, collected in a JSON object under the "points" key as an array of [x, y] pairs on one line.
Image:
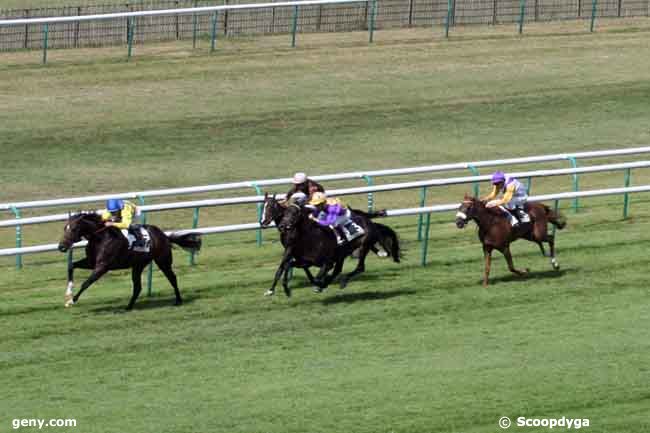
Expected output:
{"points": [[121, 214], [513, 200]]}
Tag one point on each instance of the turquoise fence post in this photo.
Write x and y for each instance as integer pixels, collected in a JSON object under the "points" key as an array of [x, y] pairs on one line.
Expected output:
{"points": [[626, 197], [522, 11], [195, 22], [373, 17], [260, 209], [477, 188], [150, 270], [195, 224], [425, 244], [46, 35], [448, 18], [371, 198], [594, 4], [294, 26], [213, 36], [19, 238], [556, 208], [129, 33], [529, 185], [423, 198], [576, 182]]}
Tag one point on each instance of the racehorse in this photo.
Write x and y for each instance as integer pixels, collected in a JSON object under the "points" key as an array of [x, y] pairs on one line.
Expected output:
{"points": [[496, 233], [108, 250], [308, 244]]}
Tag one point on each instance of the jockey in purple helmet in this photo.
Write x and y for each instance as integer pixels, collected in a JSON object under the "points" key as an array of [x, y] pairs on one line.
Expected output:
{"points": [[513, 200]]}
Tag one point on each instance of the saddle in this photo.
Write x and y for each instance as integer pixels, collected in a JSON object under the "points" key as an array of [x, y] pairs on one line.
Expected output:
{"points": [[141, 246]]}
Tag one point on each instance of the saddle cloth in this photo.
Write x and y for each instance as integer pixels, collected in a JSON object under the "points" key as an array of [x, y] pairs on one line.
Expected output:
{"points": [[143, 247], [351, 230]]}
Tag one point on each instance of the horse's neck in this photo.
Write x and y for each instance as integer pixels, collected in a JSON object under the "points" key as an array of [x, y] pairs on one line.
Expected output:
{"points": [[90, 228], [484, 218]]}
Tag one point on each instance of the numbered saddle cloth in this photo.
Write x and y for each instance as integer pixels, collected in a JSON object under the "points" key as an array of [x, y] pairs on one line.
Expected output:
{"points": [[142, 247], [352, 230]]}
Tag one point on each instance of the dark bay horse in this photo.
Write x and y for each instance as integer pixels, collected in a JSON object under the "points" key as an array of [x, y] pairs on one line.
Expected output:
{"points": [[309, 244], [108, 250], [496, 233]]}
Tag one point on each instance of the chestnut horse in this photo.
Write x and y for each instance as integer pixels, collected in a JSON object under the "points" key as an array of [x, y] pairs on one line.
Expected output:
{"points": [[496, 233]]}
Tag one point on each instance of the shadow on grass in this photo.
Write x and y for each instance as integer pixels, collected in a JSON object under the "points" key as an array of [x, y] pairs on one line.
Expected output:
{"points": [[143, 303], [365, 296], [541, 275]]}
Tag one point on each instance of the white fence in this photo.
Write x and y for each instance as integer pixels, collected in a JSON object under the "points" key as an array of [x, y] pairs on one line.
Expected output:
{"points": [[390, 213]]}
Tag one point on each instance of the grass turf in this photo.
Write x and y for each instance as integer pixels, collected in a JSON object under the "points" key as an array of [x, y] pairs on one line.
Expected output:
{"points": [[404, 348]]}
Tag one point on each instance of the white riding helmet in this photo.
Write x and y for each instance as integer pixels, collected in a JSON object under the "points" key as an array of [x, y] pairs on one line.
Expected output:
{"points": [[299, 178]]}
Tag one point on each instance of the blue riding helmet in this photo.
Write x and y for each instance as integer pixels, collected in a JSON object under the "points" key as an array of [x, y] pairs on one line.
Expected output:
{"points": [[498, 177], [114, 205]]}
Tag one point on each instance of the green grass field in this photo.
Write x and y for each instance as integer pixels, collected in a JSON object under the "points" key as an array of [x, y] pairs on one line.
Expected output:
{"points": [[404, 348]]}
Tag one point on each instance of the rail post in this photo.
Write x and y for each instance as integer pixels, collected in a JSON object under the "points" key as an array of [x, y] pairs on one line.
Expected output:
{"points": [[448, 18], [373, 17], [423, 198], [195, 224], [522, 11], [46, 33], [260, 209], [195, 22], [150, 270], [425, 244], [213, 35], [576, 182], [19, 237], [130, 31], [371, 199], [594, 4], [477, 188], [294, 26], [626, 197]]}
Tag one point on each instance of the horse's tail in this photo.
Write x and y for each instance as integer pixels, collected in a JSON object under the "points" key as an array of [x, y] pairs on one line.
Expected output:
{"points": [[370, 215], [555, 218], [190, 242], [389, 241]]}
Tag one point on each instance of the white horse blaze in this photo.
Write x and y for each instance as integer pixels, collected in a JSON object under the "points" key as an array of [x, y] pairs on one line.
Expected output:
{"points": [[461, 215]]}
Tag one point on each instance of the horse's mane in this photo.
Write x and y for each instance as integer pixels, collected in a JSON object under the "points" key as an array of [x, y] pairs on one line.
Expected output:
{"points": [[87, 215], [481, 205]]}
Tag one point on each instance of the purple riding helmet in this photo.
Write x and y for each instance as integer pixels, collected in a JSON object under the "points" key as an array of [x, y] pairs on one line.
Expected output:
{"points": [[498, 177]]}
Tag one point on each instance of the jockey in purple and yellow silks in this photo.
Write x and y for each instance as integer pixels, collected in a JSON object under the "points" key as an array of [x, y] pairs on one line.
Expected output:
{"points": [[121, 214], [514, 197], [329, 212]]}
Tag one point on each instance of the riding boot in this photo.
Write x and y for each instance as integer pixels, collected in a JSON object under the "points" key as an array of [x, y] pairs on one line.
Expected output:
{"points": [[521, 215], [134, 229], [340, 235]]}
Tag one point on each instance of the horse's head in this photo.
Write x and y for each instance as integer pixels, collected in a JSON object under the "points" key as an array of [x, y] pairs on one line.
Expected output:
{"points": [[78, 226], [289, 221], [272, 211], [467, 211]]}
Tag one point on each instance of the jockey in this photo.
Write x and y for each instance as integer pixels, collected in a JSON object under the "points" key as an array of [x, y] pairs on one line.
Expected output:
{"points": [[305, 185], [514, 197], [329, 212], [120, 214], [298, 198]]}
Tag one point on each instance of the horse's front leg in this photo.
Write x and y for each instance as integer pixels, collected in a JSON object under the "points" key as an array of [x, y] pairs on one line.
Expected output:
{"points": [[81, 264], [487, 252], [284, 264], [97, 273], [321, 278], [511, 266]]}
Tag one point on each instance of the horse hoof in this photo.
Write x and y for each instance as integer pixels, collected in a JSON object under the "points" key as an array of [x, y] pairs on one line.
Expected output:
{"points": [[69, 300], [178, 303], [269, 293], [317, 289], [343, 284]]}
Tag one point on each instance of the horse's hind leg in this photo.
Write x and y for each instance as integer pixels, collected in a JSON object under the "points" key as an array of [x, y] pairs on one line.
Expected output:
{"points": [[551, 243], [511, 266], [361, 266], [165, 265], [136, 277]]}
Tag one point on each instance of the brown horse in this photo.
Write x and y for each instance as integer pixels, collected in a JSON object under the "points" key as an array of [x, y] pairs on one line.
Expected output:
{"points": [[496, 233], [108, 249]]}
